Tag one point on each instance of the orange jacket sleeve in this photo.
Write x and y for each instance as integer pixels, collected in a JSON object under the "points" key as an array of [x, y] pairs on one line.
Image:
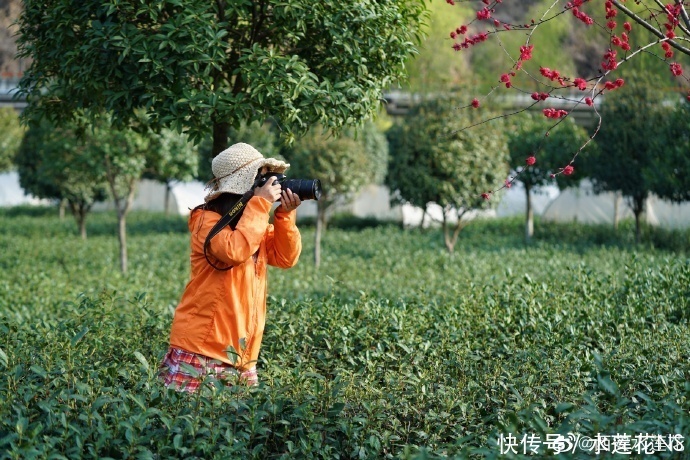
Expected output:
{"points": [[283, 242], [235, 247]]}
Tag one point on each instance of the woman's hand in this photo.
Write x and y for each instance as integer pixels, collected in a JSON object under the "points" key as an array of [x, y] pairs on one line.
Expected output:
{"points": [[269, 191], [289, 201]]}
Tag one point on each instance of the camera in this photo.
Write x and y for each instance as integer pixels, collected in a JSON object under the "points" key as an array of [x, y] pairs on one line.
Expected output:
{"points": [[305, 189]]}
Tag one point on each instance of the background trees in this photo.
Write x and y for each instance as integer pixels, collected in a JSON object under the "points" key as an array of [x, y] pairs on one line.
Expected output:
{"points": [[434, 161], [11, 133], [526, 138], [344, 164], [197, 65], [171, 157], [631, 144], [53, 163]]}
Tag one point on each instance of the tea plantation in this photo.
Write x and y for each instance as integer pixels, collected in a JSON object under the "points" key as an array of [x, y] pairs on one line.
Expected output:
{"points": [[392, 349]]}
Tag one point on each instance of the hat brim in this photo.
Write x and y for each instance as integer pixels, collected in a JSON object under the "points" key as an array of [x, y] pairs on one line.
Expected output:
{"points": [[229, 186]]}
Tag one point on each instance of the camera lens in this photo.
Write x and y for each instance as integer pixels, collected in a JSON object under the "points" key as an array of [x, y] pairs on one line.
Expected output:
{"points": [[306, 189]]}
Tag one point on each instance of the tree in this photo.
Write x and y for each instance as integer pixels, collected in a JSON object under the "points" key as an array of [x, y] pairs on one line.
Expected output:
{"points": [[526, 139], [433, 161], [629, 149], [629, 31], [343, 164], [11, 134], [171, 157], [670, 177], [54, 163], [122, 159], [196, 65]]}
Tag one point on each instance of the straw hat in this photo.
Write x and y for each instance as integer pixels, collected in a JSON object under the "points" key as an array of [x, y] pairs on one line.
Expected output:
{"points": [[235, 169]]}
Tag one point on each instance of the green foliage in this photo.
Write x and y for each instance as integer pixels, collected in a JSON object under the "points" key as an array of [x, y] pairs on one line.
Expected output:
{"points": [[172, 157], [391, 350], [629, 142], [670, 177], [437, 66], [433, 160], [55, 163], [11, 134], [344, 164], [196, 64], [553, 147]]}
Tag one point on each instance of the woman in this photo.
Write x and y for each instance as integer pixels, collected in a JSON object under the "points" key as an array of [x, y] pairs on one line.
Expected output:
{"points": [[219, 323]]}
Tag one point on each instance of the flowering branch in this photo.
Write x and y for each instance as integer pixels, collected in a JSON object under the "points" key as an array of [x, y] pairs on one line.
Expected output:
{"points": [[668, 40]]}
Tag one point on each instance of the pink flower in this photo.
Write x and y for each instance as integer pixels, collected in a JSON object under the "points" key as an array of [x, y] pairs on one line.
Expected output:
{"points": [[589, 101], [508, 183], [484, 13], [486, 196], [627, 26], [530, 161], [611, 25], [676, 69], [526, 52], [580, 83], [568, 170], [475, 103]]}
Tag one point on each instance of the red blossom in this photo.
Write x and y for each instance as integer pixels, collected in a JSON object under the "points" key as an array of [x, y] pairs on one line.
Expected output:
{"points": [[554, 113], [486, 196], [508, 183], [453, 34], [461, 30], [610, 62], [611, 25], [550, 74], [627, 26], [589, 101], [475, 103], [530, 160], [568, 170], [526, 52], [450, 2], [676, 69], [484, 13], [580, 83]]}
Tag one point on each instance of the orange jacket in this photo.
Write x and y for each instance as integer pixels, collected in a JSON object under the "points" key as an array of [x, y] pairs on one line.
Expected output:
{"points": [[222, 313]]}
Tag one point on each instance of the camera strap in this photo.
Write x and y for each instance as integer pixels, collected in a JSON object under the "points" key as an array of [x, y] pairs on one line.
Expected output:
{"points": [[227, 219]]}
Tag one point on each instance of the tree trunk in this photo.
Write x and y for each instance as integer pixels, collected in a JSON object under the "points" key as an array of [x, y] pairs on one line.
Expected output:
{"points": [[122, 237], [220, 137], [448, 238], [616, 210], [167, 198], [638, 207], [79, 211], [61, 208], [421, 224], [81, 219], [529, 218], [320, 221]]}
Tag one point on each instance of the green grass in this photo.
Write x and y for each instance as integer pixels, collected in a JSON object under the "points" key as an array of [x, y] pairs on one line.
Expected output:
{"points": [[392, 349]]}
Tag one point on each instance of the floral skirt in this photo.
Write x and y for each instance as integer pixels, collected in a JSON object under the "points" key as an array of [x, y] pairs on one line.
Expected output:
{"points": [[184, 371]]}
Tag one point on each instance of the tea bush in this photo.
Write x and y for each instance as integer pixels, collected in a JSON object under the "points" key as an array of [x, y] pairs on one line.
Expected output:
{"points": [[392, 349]]}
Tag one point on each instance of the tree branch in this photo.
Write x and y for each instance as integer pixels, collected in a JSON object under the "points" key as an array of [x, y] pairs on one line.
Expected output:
{"points": [[649, 27]]}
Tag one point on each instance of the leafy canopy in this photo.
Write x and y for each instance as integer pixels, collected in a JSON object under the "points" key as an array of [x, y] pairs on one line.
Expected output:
{"points": [[193, 64], [344, 164], [434, 161], [12, 134]]}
